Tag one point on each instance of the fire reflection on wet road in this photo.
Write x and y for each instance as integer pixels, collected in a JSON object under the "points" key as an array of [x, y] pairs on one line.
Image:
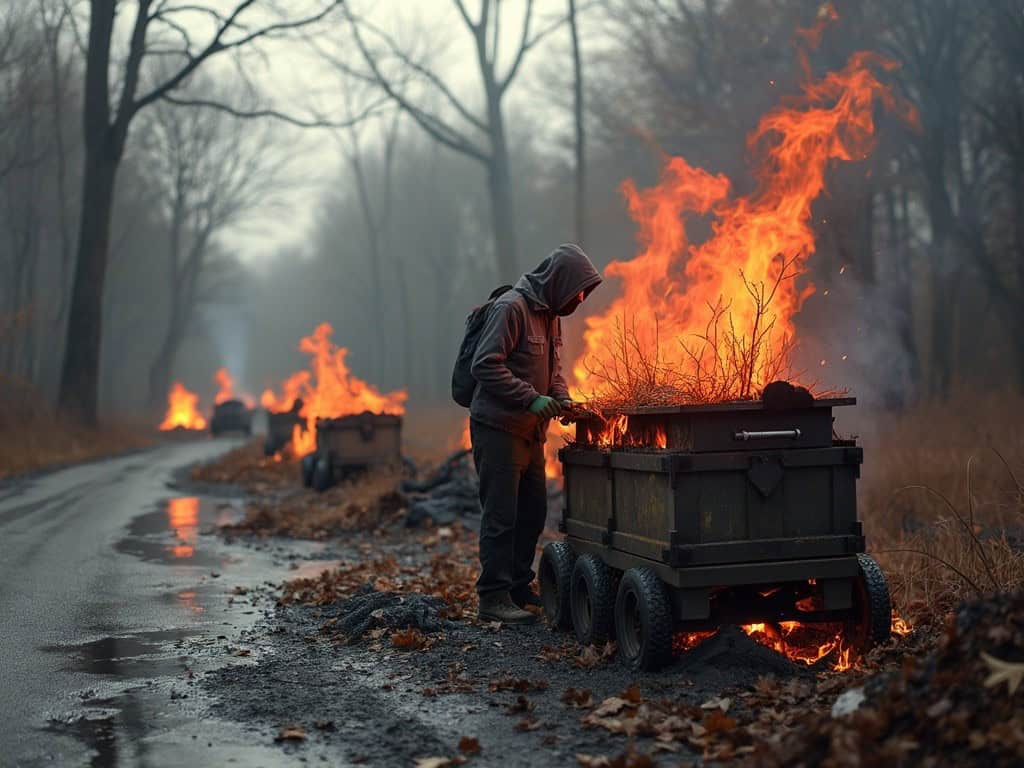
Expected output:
{"points": [[111, 608]]}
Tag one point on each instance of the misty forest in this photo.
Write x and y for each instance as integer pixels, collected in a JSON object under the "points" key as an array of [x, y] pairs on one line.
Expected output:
{"points": [[770, 512]]}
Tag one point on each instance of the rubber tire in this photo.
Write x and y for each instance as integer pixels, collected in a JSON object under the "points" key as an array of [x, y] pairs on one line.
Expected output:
{"points": [[555, 577], [323, 475], [644, 623], [592, 600], [307, 465], [872, 606]]}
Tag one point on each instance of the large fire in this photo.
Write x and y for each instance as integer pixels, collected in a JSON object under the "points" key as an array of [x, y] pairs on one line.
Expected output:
{"points": [[226, 389], [181, 410], [712, 322], [328, 390]]}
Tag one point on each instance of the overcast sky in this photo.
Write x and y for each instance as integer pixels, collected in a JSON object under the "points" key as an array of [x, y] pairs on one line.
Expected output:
{"points": [[298, 80]]}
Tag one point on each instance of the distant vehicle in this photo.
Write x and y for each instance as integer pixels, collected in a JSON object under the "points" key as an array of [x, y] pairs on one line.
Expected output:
{"points": [[231, 416]]}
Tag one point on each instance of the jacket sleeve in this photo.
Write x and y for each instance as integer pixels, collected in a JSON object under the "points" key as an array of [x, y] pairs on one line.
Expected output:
{"points": [[559, 389], [499, 336]]}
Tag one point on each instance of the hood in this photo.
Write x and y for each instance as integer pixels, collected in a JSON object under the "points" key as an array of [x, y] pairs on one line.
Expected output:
{"points": [[563, 274]]}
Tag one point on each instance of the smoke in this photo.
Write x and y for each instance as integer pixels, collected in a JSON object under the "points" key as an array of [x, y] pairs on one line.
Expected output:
{"points": [[228, 329]]}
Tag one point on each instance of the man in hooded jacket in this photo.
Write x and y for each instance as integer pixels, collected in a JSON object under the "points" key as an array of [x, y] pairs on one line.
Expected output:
{"points": [[520, 387]]}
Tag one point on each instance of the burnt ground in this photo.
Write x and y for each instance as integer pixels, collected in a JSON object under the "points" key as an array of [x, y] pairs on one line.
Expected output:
{"points": [[370, 702]]}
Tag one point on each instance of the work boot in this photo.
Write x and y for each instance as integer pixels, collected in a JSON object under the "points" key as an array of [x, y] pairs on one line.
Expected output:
{"points": [[524, 596], [498, 606]]}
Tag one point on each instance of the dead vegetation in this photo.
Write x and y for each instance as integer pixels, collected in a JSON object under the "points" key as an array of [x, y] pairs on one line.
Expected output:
{"points": [[34, 436], [942, 503], [724, 362]]}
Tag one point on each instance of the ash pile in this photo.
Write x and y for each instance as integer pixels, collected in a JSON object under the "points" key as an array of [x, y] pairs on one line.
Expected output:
{"points": [[449, 493]]}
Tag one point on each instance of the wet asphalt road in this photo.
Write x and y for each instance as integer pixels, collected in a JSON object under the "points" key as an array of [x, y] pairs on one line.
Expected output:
{"points": [[113, 596]]}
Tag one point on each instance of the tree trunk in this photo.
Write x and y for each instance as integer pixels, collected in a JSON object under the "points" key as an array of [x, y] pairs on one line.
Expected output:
{"points": [[80, 374], [581, 168], [499, 185]]}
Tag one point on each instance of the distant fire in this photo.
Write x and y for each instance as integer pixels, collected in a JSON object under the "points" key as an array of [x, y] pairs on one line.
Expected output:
{"points": [[291, 390], [226, 391], [328, 390], [714, 321], [182, 412]]}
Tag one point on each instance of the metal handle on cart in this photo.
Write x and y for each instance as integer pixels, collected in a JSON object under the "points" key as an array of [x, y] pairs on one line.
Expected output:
{"points": [[744, 435]]}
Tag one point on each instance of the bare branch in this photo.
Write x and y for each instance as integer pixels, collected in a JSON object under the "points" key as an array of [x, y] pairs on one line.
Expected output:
{"points": [[274, 114]]}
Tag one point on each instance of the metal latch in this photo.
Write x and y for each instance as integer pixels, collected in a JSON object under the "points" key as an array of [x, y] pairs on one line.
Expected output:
{"points": [[744, 435]]}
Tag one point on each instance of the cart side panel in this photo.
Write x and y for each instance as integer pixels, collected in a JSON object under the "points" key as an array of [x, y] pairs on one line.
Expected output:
{"points": [[589, 504]]}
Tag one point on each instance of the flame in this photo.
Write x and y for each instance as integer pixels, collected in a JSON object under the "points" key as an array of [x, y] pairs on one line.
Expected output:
{"points": [[714, 321], [226, 391], [328, 390], [181, 410], [466, 439], [900, 626], [291, 390], [183, 518], [805, 643]]}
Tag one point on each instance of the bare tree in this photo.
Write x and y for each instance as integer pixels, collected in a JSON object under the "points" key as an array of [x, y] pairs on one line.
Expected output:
{"points": [[397, 72], [580, 175], [211, 170], [158, 31]]}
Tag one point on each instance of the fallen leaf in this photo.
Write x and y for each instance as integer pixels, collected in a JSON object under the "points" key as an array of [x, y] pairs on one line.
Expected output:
{"points": [[469, 745], [1012, 673], [717, 703], [581, 699], [291, 733], [610, 706]]}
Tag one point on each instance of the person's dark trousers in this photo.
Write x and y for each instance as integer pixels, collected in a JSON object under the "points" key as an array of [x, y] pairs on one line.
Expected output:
{"points": [[513, 495]]}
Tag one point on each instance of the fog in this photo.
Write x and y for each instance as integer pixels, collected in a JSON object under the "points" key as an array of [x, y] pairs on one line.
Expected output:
{"points": [[380, 183]]}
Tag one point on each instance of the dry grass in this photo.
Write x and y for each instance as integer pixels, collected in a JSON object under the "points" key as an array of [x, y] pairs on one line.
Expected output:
{"points": [[942, 502], [33, 436]]}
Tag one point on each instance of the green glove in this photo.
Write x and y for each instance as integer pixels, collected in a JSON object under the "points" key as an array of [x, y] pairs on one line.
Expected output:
{"points": [[545, 407]]}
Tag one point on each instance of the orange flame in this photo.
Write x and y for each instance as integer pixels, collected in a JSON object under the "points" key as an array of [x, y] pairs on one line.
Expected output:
{"points": [[181, 410], [226, 391], [328, 390], [291, 390], [805, 643], [714, 321]]}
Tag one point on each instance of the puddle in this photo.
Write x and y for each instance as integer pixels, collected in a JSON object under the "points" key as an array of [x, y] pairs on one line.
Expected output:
{"points": [[142, 655], [172, 534]]}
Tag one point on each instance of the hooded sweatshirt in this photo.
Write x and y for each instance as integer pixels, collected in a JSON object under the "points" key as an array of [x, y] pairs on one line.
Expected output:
{"points": [[519, 353]]}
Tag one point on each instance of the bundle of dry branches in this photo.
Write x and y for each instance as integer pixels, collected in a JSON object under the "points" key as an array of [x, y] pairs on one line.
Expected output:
{"points": [[724, 363]]}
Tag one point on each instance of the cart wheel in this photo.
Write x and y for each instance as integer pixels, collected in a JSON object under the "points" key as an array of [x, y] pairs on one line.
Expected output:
{"points": [[643, 620], [306, 465], [592, 600], [323, 474], [555, 578], [871, 623]]}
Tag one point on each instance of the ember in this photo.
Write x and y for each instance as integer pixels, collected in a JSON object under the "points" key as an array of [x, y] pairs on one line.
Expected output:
{"points": [[181, 410], [713, 322], [328, 390]]}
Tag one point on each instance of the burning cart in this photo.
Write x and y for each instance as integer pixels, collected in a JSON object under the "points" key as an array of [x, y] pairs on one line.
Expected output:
{"points": [[280, 427], [351, 444], [231, 416], [685, 518]]}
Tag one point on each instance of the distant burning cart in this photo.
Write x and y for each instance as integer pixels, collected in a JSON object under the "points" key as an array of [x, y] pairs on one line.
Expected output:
{"points": [[703, 515], [280, 427], [352, 443]]}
